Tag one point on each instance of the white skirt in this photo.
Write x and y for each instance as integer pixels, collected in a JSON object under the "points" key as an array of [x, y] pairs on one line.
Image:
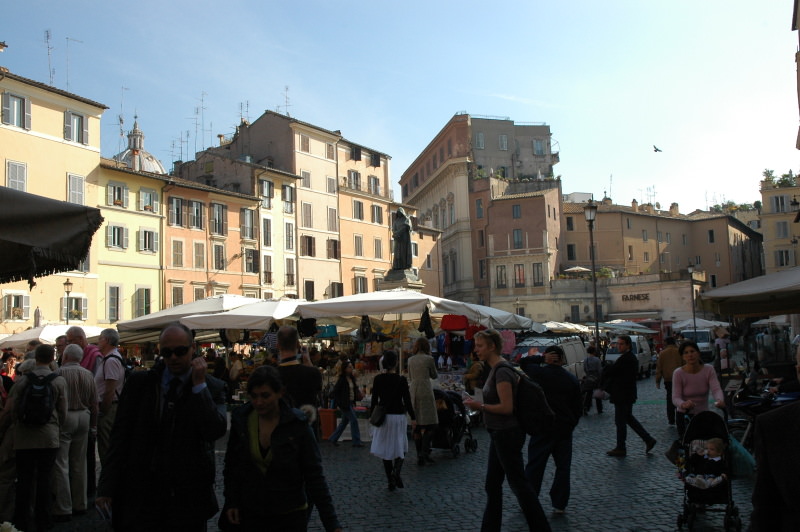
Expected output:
{"points": [[390, 440]]}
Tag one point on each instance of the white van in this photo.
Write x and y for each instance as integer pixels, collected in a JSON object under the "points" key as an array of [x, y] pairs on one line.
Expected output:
{"points": [[640, 348], [704, 338], [573, 347]]}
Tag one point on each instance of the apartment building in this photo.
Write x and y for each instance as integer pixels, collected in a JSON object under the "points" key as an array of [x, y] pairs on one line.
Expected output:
{"points": [[779, 208]]}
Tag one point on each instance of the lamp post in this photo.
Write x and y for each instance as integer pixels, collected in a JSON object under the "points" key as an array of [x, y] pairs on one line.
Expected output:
{"points": [[68, 290], [590, 212], [690, 269]]}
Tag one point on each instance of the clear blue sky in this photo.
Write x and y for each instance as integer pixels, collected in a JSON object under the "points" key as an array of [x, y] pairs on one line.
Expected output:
{"points": [[711, 83]]}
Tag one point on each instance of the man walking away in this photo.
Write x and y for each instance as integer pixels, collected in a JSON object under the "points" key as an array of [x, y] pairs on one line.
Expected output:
{"points": [[302, 383], [668, 361], [563, 393], [620, 382], [69, 476], [592, 370]]}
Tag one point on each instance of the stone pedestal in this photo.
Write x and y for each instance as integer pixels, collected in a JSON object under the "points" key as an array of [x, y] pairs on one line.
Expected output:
{"points": [[401, 279]]}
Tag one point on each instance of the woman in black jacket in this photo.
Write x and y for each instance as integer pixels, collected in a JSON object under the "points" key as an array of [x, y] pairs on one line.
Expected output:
{"points": [[273, 469], [390, 440], [345, 394]]}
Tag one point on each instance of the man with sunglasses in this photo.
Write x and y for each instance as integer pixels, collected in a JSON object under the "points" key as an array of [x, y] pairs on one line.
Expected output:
{"points": [[162, 443]]}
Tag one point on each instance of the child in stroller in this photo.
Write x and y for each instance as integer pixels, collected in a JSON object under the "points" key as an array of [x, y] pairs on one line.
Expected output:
{"points": [[704, 467], [454, 423]]}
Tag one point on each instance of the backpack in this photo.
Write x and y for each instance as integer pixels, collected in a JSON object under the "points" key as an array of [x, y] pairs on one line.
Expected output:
{"points": [[128, 369], [531, 408], [38, 400]]}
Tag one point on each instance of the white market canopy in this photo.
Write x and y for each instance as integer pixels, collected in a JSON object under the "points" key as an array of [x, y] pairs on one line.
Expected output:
{"points": [[565, 327], [258, 315], [701, 324], [394, 304], [46, 334], [626, 326], [209, 305]]}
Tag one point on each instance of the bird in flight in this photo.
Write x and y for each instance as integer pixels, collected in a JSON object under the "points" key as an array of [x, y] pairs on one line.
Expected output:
{"points": [[655, 148]]}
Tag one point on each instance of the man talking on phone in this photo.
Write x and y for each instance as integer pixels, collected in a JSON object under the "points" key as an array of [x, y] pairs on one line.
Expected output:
{"points": [[159, 472]]}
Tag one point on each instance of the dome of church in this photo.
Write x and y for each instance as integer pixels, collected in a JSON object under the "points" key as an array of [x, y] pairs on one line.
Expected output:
{"points": [[136, 157]]}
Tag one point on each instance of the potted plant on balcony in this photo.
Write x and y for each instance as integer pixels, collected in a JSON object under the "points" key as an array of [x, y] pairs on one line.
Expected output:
{"points": [[118, 202], [16, 313], [75, 314], [148, 208]]}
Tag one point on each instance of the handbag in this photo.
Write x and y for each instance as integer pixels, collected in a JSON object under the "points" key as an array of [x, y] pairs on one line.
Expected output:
{"points": [[600, 393], [223, 523], [378, 416]]}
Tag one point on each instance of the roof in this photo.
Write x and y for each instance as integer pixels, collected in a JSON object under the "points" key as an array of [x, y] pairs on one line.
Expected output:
{"points": [[522, 195], [54, 90]]}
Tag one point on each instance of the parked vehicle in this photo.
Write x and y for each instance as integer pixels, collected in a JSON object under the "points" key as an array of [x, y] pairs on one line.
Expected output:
{"points": [[704, 338], [640, 348], [573, 348]]}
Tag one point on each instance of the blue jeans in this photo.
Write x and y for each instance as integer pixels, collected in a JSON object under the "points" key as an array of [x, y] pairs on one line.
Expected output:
{"points": [[623, 417], [505, 461], [348, 416], [539, 450]]}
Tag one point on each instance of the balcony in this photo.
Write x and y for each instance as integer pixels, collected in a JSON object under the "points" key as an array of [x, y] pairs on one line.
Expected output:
{"points": [[372, 189]]}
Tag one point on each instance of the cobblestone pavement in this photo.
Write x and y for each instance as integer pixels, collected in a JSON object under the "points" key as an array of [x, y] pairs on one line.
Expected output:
{"points": [[635, 493]]}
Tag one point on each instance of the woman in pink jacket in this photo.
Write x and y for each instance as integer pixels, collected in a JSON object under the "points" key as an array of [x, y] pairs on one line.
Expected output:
{"points": [[691, 384]]}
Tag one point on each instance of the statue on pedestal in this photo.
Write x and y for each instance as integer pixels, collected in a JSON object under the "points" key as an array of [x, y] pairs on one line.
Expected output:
{"points": [[401, 233]]}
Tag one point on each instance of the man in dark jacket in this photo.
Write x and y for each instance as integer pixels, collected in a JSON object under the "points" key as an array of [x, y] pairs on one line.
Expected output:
{"points": [[159, 472], [619, 380], [563, 392]]}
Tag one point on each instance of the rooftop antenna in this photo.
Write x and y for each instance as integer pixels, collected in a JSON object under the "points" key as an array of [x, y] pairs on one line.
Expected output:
{"points": [[73, 40], [203, 95], [244, 110], [196, 122], [50, 69], [286, 99], [121, 118], [610, 182]]}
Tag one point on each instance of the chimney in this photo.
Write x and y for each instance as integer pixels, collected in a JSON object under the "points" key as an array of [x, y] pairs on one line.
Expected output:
{"points": [[673, 209], [635, 205]]}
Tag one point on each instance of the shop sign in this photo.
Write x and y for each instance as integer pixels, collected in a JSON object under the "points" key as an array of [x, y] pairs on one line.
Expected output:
{"points": [[636, 297]]}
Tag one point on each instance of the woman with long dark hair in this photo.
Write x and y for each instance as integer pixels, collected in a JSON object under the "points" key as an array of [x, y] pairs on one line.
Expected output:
{"points": [[345, 395], [390, 440], [691, 384]]}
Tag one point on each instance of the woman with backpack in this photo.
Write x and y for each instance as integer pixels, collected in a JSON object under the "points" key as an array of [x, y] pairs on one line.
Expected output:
{"points": [[507, 438]]}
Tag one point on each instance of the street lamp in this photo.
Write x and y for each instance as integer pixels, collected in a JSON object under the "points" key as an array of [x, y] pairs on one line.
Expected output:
{"points": [[690, 269], [590, 212], [67, 289]]}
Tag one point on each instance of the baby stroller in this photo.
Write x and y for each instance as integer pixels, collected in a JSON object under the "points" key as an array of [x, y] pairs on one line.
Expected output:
{"points": [[706, 479], [454, 423]]}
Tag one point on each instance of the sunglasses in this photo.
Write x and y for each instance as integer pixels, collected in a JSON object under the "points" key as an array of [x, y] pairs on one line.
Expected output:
{"points": [[179, 351]]}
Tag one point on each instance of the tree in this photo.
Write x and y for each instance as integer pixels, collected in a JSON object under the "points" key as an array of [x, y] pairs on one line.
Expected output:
{"points": [[786, 180]]}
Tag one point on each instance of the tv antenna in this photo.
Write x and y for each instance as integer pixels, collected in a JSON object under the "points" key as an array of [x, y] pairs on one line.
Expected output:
{"points": [[121, 118], [286, 100], [73, 40], [50, 69]]}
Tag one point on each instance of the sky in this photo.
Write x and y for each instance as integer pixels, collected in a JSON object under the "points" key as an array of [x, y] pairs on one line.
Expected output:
{"points": [[711, 83]]}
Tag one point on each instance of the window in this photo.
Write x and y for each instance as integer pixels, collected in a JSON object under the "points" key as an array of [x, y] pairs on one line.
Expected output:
{"points": [[16, 175], [481, 238], [571, 252], [219, 219], [196, 209], [501, 277], [77, 307], [142, 302], [502, 142], [117, 194], [519, 275], [570, 223], [16, 110], [379, 248], [287, 192], [76, 127], [452, 208], [781, 257], [428, 261], [538, 147], [779, 203], [377, 214], [16, 306], [148, 200], [374, 185], [662, 258], [177, 253], [482, 269], [669, 238], [308, 290], [659, 236], [630, 252], [307, 246], [333, 249], [684, 239], [358, 245], [516, 211], [414, 249], [710, 236], [290, 272], [628, 223], [304, 144], [647, 256], [358, 210], [219, 257], [306, 219], [713, 281], [177, 214], [289, 237], [333, 219], [375, 160], [697, 260], [355, 153], [781, 229], [538, 278], [117, 236], [251, 261], [360, 285], [644, 235], [199, 255], [479, 208], [479, 140], [353, 180], [331, 184], [329, 151], [268, 269], [266, 232], [517, 236], [267, 193], [83, 265], [177, 295], [75, 189], [148, 240], [248, 224], [113, 302], [305, 180]]}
